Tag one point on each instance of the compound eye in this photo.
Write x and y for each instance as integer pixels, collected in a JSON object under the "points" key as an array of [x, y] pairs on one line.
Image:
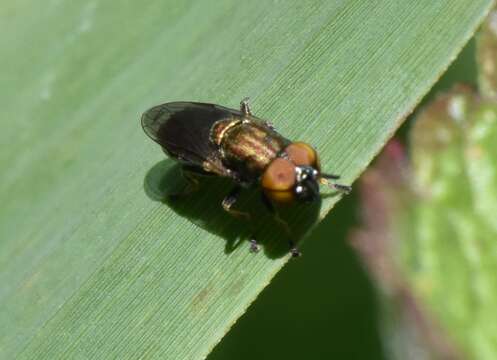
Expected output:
{"points": [[278, 180], [302, 154]]}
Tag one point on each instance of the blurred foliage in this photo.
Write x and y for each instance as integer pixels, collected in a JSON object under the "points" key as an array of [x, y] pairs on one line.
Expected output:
{"points": [[486, 57], [429, 228]]}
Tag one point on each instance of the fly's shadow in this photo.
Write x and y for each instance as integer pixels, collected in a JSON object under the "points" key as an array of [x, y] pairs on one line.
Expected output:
{"points": [[203, 208]]}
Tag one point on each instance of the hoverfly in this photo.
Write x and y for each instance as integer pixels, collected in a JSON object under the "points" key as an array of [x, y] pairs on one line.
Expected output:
{"points": [[209, 139]]}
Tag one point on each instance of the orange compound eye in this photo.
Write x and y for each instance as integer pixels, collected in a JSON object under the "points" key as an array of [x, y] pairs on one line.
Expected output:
{"points": [[278, 180], [302, 154]]}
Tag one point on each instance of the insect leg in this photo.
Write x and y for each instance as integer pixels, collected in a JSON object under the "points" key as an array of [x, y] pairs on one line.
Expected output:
{"points": [[246, 110], [330, 176], [343, 188], [245, 106], [230, 200], [254, 246], [269, 124], [270, 207], [339, 187], [190, 175], [228, 203]]}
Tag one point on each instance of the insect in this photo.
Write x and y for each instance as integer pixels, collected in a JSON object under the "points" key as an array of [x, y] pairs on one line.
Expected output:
{"points": [[209, 139]]}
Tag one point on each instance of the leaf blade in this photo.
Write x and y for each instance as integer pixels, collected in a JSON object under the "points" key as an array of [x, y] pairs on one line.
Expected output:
{"points": [[102, 257]]}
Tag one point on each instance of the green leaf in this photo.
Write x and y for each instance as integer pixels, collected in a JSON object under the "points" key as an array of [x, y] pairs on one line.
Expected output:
{"points": [[92, 267]]}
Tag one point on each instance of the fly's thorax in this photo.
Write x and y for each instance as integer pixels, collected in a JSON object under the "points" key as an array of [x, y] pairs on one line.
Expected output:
{"points": [[221, 128], [249, 147]]}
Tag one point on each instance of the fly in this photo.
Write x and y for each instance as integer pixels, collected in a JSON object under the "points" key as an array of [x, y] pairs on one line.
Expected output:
{"points": [[209, 139]]}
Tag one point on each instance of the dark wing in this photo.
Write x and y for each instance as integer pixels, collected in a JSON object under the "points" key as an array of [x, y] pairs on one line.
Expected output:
{"points": [[183, 129]]}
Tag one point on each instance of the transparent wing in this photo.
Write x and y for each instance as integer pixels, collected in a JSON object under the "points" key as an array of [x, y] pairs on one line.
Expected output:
{"points": [[183, 129]]}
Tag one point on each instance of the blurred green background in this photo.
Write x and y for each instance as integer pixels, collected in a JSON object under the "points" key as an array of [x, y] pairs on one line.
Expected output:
{"points": [[323, 305]]}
